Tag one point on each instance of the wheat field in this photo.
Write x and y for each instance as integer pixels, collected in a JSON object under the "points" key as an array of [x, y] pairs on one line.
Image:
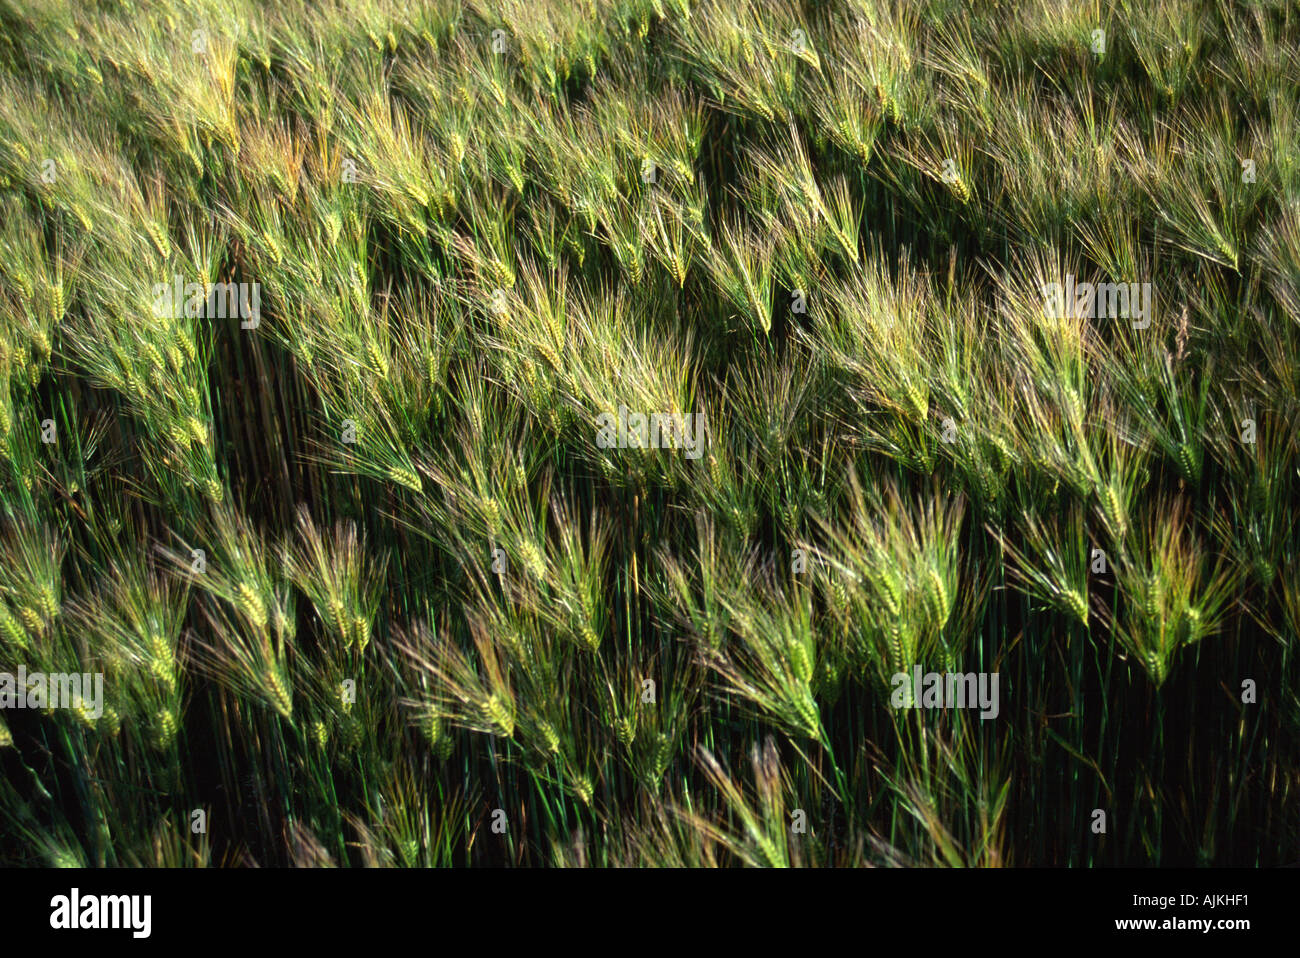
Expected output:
{"points": [[649, 432]]}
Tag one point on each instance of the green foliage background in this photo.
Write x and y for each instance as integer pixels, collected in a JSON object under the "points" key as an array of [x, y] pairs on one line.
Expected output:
{"points": [[826, 227]]}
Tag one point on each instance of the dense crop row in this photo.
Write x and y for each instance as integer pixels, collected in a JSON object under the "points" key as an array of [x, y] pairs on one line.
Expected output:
{"points": [[347, 354]]}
